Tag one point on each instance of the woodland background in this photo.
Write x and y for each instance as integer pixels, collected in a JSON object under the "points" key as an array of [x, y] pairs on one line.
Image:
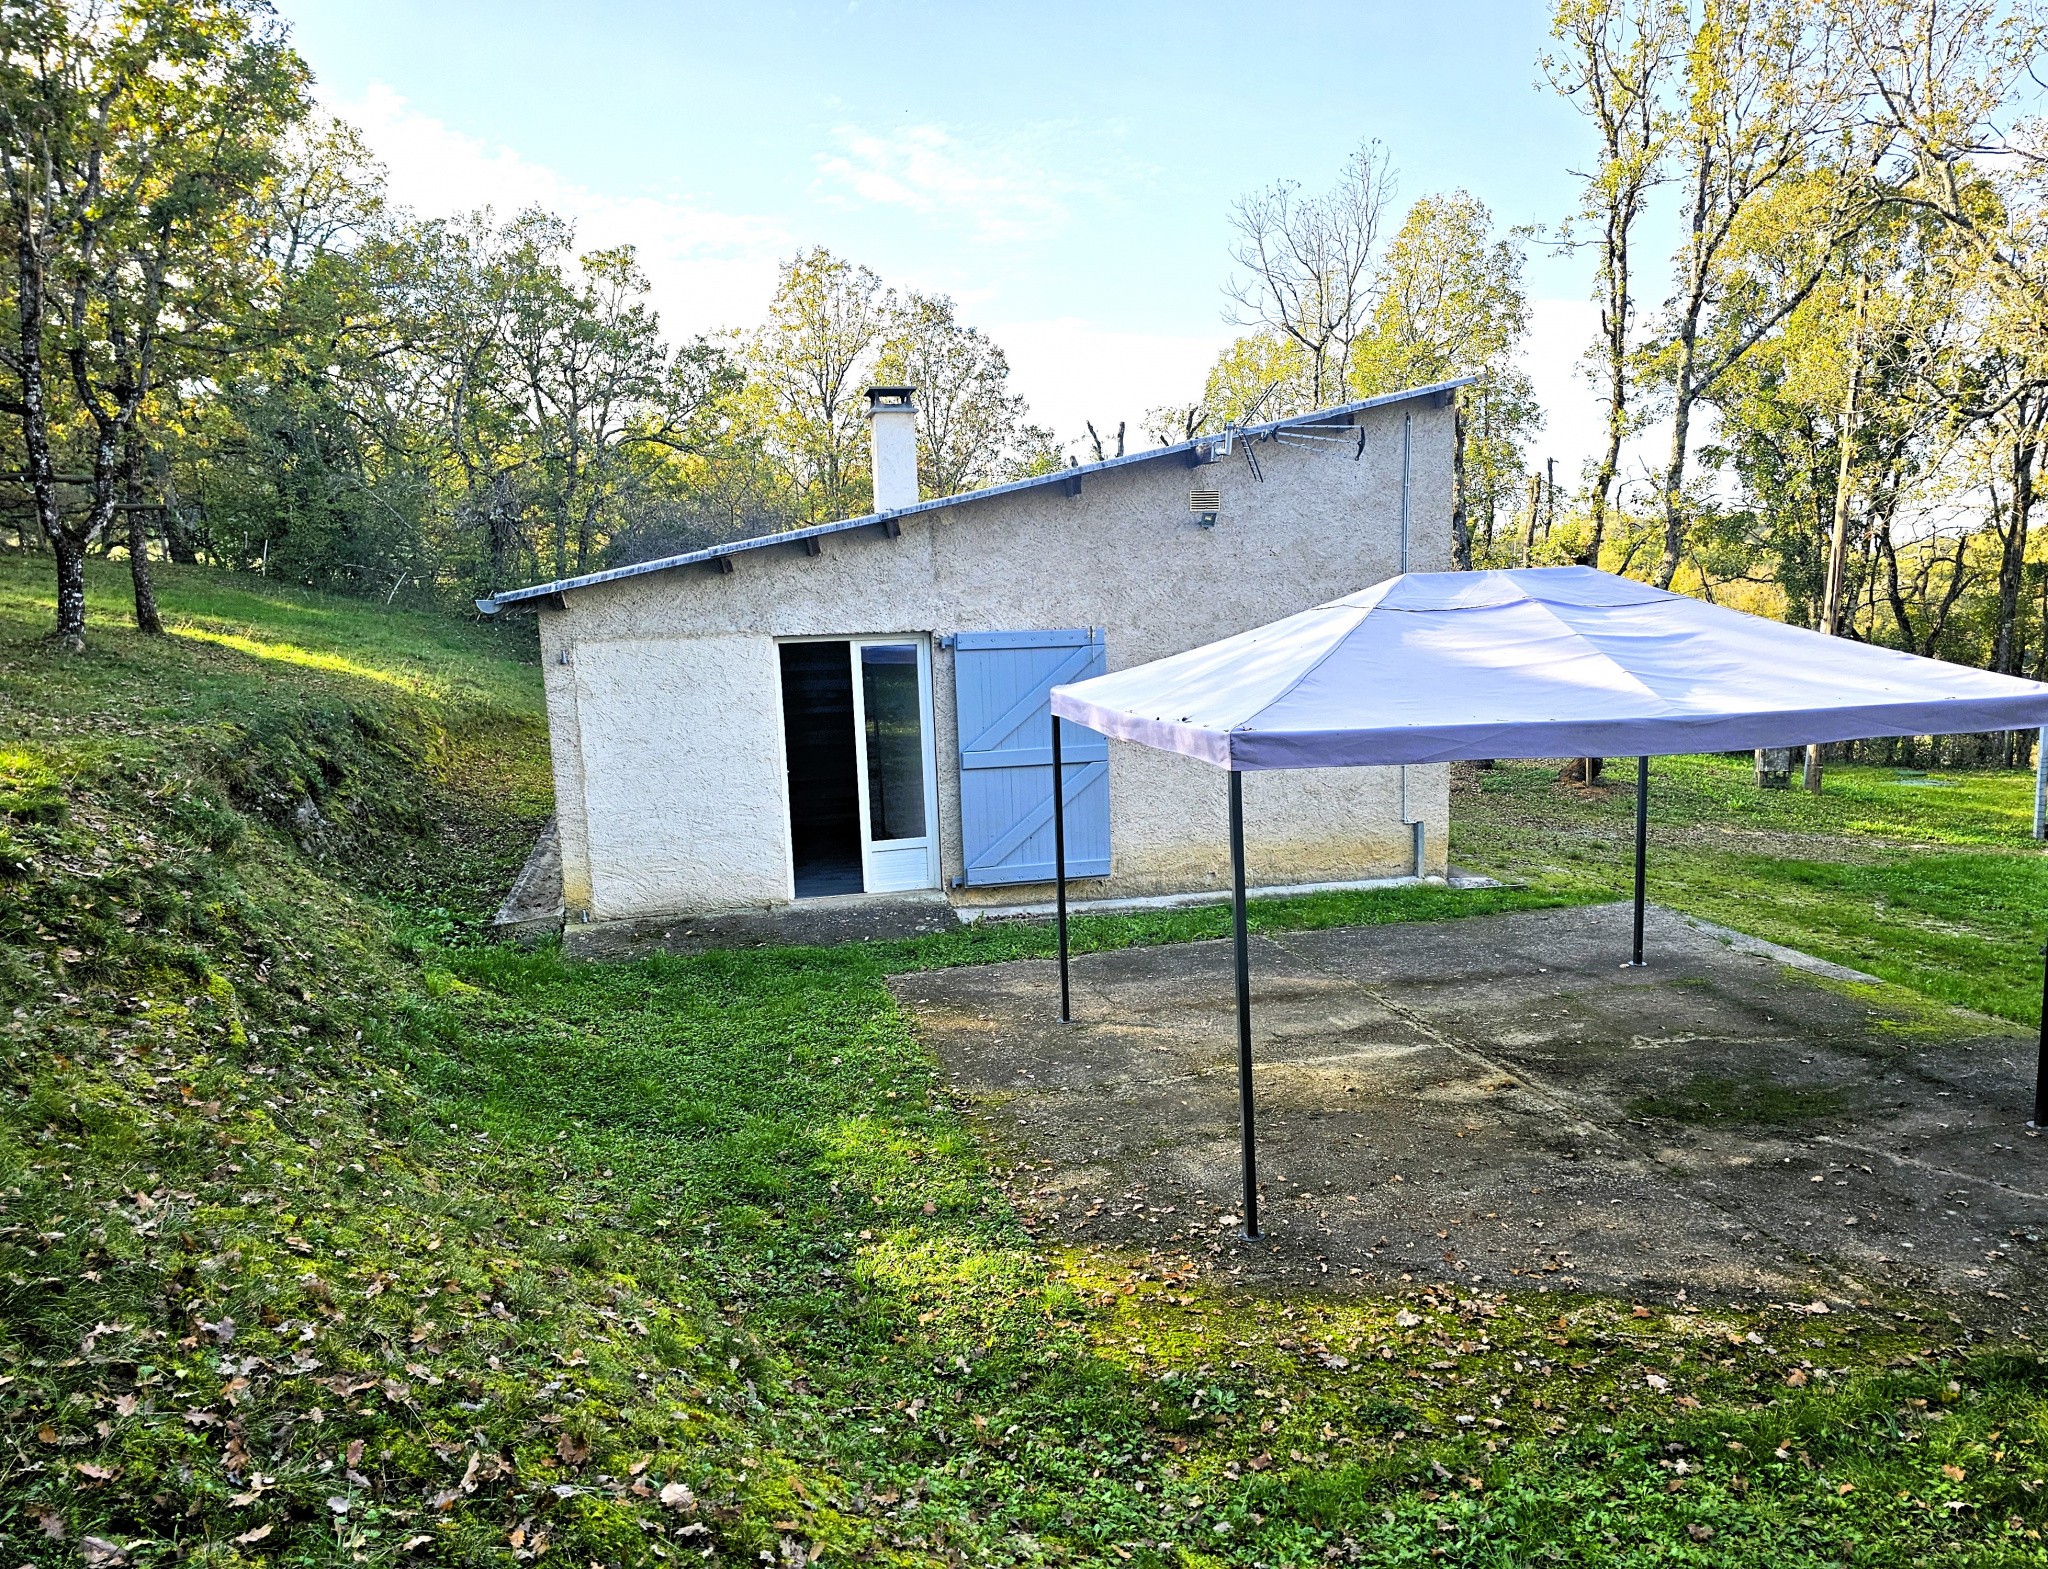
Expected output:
{"points": [[223, 343]]}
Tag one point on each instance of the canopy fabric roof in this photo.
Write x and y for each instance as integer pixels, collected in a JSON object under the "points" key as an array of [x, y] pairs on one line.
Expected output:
{"points": [[1541, 662]]}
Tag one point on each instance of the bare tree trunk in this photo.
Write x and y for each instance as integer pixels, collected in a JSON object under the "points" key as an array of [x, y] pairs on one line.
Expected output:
{"points": [[70, 554], [1614, 330], [146, 618], [178, 541], [31, 308], [1674, 470], [1529, 526], [2012, 558], [1461, 526], [1838, 534]]}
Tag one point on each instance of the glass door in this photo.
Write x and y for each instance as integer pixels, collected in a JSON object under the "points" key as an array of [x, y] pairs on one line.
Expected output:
{"points": [[899, 786]]}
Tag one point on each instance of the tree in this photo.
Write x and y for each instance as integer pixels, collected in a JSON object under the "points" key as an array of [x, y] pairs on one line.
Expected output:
{"points": [[1307, 266], [300, 438], [1765, 100], [129, 137], [593, 373], [1263, 374], [1449, 302], [1941, 79], [972, 429], [1615, 66], [826, 325], [1170, 424]]}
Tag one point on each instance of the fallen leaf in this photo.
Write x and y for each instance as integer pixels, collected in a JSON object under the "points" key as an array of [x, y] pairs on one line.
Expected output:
{"points": [[1954, 1473], [677, 1496], [257, 1535], [572, 1449], [93, 1473], [1796, 1378], [337, 1503], [99, 1553], [1657, 1381], [1700, 1533], [1846, 1489], [355, 1452], [52, 1524]]}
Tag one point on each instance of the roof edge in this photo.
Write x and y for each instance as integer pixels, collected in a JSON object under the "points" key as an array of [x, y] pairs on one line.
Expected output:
{"points": [[492, 604]]}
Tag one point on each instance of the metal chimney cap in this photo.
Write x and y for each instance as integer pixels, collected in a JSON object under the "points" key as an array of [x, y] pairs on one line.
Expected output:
{"points": [[892, 400]]}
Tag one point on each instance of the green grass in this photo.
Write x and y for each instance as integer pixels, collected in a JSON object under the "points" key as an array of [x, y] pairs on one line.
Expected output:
{"points": [[1939, 889], [1756, 1102], [332, 1234]]}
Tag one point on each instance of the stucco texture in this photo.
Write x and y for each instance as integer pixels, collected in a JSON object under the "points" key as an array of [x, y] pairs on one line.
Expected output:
{"points": [[664, 707]]}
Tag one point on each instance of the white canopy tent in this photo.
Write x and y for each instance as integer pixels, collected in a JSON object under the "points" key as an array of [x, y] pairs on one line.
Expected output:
{"points": [[1430, 667]]}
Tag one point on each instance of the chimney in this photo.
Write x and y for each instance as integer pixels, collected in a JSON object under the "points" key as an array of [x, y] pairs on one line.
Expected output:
{"points": [[892, 428]]}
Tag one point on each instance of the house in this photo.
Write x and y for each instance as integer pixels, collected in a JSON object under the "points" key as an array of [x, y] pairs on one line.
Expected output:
{"points": [[858, 712]]}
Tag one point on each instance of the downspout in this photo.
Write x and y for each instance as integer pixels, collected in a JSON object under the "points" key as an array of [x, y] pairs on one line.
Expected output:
{"points": [[1416, 828]]}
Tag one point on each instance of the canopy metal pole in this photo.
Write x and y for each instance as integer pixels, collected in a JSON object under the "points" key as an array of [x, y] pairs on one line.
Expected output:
{"points": [[1642, 845], [1059, 867], [1244, 1009], [2041, 1059]]}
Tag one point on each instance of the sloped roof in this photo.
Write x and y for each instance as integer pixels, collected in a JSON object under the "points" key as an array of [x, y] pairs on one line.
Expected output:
{"points": [[1187, 451], [1540, 662]]}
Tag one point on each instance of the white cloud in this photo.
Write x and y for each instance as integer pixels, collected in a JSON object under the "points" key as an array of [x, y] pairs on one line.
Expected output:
{"points": [[711, 269], [994, 192], [708, 269]]}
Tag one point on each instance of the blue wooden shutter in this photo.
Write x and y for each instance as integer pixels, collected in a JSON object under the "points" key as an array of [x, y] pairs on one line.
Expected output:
{"points": [[1000, 682]]}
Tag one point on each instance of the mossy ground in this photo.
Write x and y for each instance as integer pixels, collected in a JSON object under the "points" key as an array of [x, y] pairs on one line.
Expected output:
{"points": [[334, 1234]]}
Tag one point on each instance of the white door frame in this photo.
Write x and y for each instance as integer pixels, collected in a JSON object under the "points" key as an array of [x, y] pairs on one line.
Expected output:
{"points": [[898, 865], [899, 851]]}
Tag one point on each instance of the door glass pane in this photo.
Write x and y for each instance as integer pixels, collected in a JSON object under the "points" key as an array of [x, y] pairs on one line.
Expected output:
{"points": [[888, 673]]}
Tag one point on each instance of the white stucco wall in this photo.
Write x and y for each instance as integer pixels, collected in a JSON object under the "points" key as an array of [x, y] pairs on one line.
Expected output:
{"points": [[665, 720], [652, 827]]}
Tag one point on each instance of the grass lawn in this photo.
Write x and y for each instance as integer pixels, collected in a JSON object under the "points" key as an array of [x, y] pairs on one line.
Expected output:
{"points": [[332, 1234], [1930, 881]]}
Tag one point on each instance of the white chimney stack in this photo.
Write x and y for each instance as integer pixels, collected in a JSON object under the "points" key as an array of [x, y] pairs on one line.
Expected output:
{"points": [[892, 429]]}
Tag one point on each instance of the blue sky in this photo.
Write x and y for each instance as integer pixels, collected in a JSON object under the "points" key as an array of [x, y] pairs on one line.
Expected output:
{"points": [[1063, 170]]}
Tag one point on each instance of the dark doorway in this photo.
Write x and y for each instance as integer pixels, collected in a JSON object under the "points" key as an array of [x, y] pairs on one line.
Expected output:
{"points": [[824, 775]]}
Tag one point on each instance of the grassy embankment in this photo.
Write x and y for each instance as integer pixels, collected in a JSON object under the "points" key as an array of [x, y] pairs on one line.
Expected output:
{"points": [[331, 1234]]}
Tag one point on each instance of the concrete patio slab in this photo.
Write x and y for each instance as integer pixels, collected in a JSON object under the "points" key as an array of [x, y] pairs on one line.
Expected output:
{"points": [[1499, 1101]]}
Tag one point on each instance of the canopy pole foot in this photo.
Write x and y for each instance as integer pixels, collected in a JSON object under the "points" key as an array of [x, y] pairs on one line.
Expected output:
{"points": [[1642, 847], [1244, 1010], [1059, 869]]}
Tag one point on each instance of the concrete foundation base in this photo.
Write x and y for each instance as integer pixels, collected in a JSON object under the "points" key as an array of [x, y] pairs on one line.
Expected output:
{"points": [[806, 923], [1501, 1102]]}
